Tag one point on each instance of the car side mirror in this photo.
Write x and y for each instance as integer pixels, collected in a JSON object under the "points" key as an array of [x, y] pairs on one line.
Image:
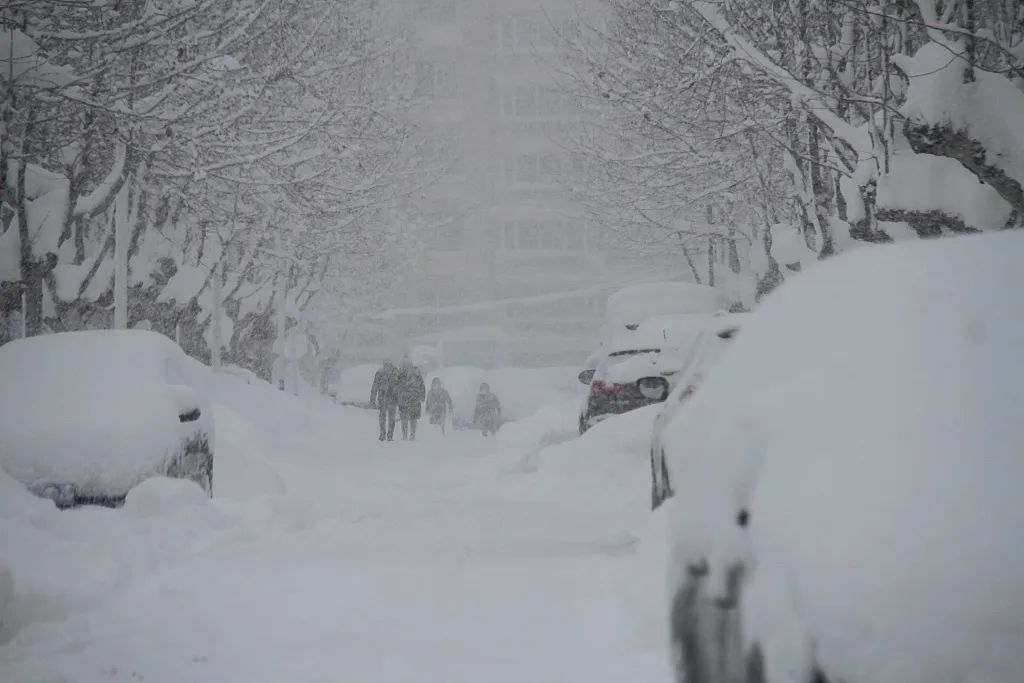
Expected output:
{"points": [[586, 376], [653, 388]]}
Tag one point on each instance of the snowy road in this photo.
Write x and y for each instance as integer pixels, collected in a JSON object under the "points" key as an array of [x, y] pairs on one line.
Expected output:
{"points": [[426, 561]]}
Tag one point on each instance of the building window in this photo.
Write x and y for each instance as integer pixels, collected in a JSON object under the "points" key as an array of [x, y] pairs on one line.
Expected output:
{"points": [[510, 235], [550, 235], [506, 32], [443, 233], [526, 32], [528, 235], [436, 81], [550, 168], [549, 102], [527, 168], [573, 231], [436, 10], [525, 100], [532, 101]]}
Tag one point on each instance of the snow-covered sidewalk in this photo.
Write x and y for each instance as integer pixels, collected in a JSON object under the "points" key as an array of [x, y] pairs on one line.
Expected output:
{"points": [[328, 556]]}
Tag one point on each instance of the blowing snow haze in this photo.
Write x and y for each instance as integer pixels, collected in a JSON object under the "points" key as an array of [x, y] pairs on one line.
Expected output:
{"points": [[511, 340]]}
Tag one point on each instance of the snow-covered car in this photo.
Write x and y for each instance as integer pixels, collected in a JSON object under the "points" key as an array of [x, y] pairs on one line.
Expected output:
{"points": [[628, 307], [710, 346], [86, 416], [659, 346], [847, 479]]}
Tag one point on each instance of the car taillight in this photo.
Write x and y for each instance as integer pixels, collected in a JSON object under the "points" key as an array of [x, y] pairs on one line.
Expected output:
{"points": [[605, 388]]}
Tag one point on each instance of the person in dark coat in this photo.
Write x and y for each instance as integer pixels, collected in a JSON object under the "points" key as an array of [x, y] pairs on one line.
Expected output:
{"points": [[439, 404], [411, 392], [384, 397], [487, 416]]}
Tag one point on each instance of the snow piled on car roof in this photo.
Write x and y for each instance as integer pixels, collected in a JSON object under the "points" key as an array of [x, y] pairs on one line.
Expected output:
{"points": [[94, 408], [870, 419], [637, 302]]}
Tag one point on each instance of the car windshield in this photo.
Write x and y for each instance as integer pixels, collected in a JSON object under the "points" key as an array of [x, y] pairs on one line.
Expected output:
{"points": [[632, 352]]}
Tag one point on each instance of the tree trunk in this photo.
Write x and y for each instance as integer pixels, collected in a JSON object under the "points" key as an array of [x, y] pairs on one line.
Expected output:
{"points": [[215, 316], [941, 140], [773, 278], [711, 261], [122, 236], [822, 205], [689, 259]]}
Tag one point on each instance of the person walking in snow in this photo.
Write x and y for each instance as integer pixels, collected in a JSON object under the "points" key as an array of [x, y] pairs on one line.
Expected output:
{"points": [[439, 404], [411, 392], [384, 397], [487, 416]]}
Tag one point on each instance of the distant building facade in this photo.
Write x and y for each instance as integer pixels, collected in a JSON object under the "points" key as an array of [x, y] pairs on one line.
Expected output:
{"points": [[501, 224]]}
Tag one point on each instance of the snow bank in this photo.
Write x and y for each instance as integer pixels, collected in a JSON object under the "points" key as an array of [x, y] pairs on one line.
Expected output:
{"points": [[160, 495], [354, 382], [426, 551], [520, 442], [63, 564], [870, 419], [609, 465], [241, 469], [98, 409], [643, 584], [247, 376]]}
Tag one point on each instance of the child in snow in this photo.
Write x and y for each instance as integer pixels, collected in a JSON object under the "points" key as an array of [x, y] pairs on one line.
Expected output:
{"points": [[487, 416], [439, 404]]}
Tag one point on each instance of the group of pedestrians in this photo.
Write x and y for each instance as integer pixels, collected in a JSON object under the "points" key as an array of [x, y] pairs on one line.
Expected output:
{"points": [[399, 391]]}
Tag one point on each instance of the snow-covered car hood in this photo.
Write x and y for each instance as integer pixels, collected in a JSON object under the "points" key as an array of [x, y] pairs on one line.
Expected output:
{"points": [[98, 410], [663, 363]]}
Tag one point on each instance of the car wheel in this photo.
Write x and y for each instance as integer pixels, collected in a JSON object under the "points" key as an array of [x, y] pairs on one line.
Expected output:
{"points": [[208, 475], [666, 481], [707, 634]]}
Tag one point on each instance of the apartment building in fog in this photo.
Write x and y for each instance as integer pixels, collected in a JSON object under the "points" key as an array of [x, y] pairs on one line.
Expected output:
{"points": [[501, 224]]}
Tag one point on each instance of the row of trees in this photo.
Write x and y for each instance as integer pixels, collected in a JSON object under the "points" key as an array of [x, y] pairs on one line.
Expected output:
{"points": [[204, 168], [753, 136]]}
